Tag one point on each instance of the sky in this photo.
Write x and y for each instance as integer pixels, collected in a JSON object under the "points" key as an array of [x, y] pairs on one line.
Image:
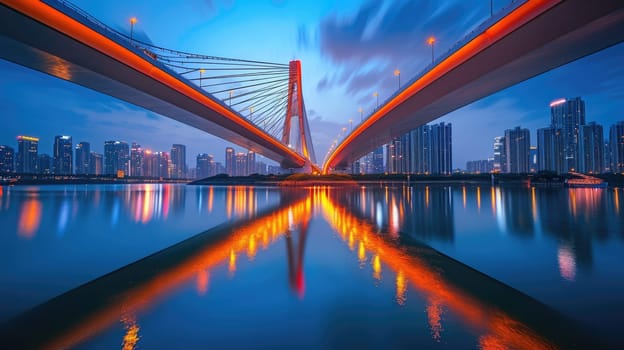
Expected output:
{"points": [[348, 49]]}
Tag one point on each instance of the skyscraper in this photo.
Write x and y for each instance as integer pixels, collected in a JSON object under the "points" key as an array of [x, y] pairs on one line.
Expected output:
{"points": [[178, 161], [27, 155], [7, 157], [441, 149], [398, 151], [251, 163], [230, 161], [500, 161], [616, 145], [421, 150], [136, 160], [568, 115], [517, 146], [240, 165], [96, 165], [203, 165], [591, 148], [63, 155], [550, 150], [116, 157], [377, 162], [45, 164], [83, 158]]}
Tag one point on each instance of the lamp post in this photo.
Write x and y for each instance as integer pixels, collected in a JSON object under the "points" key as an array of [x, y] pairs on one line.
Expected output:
{"points": [[397, 73], [361, 111], [376, 95], [431, 41], [133, 20], [351, 124], [250, 112], [231, 93], [201, 73]]}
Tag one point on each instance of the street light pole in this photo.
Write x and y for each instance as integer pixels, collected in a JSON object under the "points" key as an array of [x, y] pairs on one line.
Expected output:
{"points": [[133, 20], [397, 73], [201, 73], [360, 110], [231, 93], [376, 94], [431, 41], [351, 124]]}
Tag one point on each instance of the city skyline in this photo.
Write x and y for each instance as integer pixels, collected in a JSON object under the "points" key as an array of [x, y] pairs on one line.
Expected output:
{"points": [[333, 44]]}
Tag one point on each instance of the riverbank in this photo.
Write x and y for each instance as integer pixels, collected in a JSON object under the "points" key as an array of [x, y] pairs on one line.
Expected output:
{"points": [[30, 180]]}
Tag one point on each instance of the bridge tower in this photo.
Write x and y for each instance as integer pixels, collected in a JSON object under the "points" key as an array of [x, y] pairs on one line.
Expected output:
{"points": [[296, 132]]}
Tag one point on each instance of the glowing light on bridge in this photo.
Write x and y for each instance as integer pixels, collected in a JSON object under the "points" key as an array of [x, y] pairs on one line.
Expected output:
{"points": [[557, 102]]}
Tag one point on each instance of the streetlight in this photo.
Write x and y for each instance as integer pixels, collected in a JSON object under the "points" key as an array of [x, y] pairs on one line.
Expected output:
{"points": [[361, 111], [376, 95], [133, 20], [351, 124], [397, 73], [201, 73], [431, 41], [250, 112], [231, 93]]}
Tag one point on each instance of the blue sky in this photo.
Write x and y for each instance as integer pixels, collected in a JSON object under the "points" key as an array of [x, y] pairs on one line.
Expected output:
{"points": [[348, 49]]}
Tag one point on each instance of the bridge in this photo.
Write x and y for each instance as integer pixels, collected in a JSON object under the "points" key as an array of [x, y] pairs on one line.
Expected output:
{"points": [[525, 40], [254, 104]]}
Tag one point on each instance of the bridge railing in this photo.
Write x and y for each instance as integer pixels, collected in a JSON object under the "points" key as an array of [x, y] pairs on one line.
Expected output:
{"points": [[135, 46], [459, 44]]}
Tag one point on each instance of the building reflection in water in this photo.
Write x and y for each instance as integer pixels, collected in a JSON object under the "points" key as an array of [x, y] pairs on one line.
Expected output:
{"points": [[430, 282], [158, 275], [30, 217]]}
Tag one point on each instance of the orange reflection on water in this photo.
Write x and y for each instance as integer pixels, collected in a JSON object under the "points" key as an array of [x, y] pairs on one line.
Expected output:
{"points": [[478, 314], [493, 200], [377, 268], [361, 254], [240, 201], [616, 200], [585, 201], [478, 197], [210, 198], [533, 204], [202, 282], [251, 248], [148, 291], [30, 218], [131, 337], [464, 196], [401, 288], [434, 316]]}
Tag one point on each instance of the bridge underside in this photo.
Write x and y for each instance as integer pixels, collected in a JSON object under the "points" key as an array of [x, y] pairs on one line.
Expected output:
{"points": [[567, 32], [27, 42]]}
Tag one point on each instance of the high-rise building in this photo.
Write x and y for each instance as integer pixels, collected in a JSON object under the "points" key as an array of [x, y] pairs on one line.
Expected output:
{"points": [[116, 157], [63, 155], [607, 156], [441, 149], [82, 158], [616, 145], [163, 164], [591, 148], [204, 163], [533, 164], [479, 166], [568, 115], [7, 158], [45, 164], [230, 161], [398, 151], [377, 161], [96, 164], [178, 161], [517, 146], [500, 161], [251, 163], [136, 160], [27, 155], [550, 150], [421, 150], [240, 165]]}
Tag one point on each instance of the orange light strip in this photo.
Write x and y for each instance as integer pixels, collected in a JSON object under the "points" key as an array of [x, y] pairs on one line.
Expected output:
{"points": [[523, 14], [57, 20]]}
